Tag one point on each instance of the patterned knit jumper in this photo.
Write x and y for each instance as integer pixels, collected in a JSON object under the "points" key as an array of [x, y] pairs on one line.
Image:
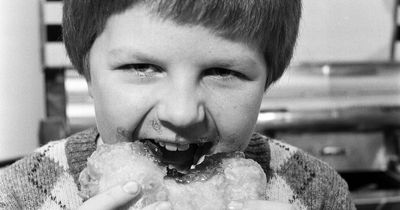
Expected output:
{"points": [[47, 179]]}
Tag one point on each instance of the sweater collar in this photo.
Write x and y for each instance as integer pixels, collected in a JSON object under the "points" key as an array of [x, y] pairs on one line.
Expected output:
{"points": [[78, 148]]}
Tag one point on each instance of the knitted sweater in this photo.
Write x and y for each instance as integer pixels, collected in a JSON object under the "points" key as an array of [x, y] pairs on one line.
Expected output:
{"points": [[47, 179]]}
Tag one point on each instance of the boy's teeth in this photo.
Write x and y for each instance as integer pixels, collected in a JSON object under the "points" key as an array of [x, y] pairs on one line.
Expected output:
{"points": [[171, 147], [174, 147], [201, 159]]}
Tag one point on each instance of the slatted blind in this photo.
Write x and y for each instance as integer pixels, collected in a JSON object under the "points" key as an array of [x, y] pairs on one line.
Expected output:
{"points": [[394, 54], [67, 99]]}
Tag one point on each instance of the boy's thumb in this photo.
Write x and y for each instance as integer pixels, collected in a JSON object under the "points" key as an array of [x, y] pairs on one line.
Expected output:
{"points": [[114, 197]]}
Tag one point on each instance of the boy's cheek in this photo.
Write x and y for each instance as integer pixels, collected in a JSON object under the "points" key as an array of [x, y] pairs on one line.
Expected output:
{"points": [[114, 127], [111, 134], [232, 141], [235, 132]]}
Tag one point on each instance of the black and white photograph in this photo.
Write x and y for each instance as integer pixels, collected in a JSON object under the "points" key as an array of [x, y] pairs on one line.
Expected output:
{"points": [[199, 104]]}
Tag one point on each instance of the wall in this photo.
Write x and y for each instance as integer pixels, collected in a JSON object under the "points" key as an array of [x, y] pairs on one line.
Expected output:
{"points": [[345, 31], [21, 80]]}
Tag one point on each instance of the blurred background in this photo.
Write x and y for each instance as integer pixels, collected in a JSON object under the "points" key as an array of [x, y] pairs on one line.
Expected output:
{"points": [[339, 100]]}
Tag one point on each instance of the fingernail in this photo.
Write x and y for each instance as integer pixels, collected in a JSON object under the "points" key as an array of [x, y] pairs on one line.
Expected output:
{"points": [[164, 206], [131, 188], [235, 205]]}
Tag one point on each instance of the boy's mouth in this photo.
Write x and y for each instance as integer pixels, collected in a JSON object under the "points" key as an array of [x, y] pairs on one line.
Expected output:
{"points": [[179, 156]]}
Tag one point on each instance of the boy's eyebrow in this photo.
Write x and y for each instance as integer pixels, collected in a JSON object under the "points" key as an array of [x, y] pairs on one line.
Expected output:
{"points": [[238, 61], [241, 62], [121, 53]]}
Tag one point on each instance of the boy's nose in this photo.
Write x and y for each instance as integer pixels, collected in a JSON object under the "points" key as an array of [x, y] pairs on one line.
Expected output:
{"points": [[181, 107]]}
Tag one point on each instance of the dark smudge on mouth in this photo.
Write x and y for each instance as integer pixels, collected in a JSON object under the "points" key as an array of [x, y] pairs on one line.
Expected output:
{"points": [[156, 126]]}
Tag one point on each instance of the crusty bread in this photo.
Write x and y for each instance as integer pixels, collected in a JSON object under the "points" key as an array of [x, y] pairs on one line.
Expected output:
{"points": [[219, 179]]}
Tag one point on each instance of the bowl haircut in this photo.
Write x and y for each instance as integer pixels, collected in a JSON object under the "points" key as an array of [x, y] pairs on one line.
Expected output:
{"points": [[269, 25]]}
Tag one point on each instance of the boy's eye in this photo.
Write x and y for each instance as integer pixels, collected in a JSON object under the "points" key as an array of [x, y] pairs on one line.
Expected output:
{"points": [[141, 69], [221, 73]]}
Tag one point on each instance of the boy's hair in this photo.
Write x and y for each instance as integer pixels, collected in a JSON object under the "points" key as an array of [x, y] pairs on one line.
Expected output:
{"points": [[271, 25]]}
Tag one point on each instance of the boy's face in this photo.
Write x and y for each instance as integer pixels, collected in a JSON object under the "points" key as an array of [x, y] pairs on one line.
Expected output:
{"points": [[177, 85]]}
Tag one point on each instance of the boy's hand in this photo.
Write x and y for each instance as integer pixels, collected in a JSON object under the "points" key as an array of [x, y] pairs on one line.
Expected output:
{"points": [[118, 196], [259, 205]]}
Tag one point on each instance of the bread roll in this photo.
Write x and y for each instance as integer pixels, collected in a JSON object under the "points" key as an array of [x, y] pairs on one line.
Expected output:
{"points": [[219, 179]]}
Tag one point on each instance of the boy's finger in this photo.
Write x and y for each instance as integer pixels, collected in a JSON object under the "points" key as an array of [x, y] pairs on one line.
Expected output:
{"points": [[113, 198]]}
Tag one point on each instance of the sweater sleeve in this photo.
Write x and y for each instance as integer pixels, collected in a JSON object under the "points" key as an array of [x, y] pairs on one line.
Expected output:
{"points": [[7, 198], [338, 196], [40, 180]]}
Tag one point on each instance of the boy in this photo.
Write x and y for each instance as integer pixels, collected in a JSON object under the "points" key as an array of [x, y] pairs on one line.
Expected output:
{"points": [[178, 74]]}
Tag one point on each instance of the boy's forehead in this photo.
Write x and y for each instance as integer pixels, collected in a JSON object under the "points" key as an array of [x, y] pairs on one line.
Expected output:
{"points": [[233, 21], [138, 33]]}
